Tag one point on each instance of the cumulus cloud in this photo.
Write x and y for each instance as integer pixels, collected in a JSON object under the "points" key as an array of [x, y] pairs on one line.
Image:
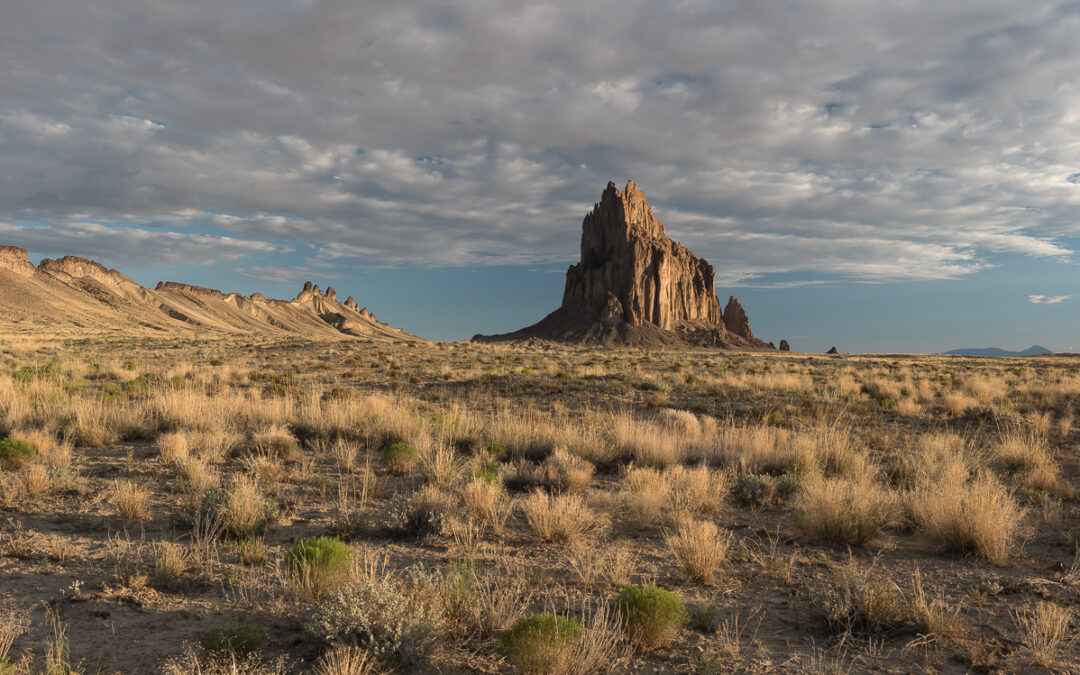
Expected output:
{"points": [[1048, 299], [874, 142]]}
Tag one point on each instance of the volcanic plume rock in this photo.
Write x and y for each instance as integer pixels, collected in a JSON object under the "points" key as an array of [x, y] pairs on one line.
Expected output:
{"points": [[636, 286]]}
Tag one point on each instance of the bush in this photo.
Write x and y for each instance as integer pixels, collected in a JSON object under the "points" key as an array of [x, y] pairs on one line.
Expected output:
{"points": [[239, 639], [539, 643], [700, 549], [400, 458], [395, 623], [15, 453], [318, 564], [846, 511], [650, 616]]}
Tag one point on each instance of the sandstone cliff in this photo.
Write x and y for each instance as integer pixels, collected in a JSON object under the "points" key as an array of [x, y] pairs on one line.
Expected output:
{"points": [[75, 295], [634, 285]]}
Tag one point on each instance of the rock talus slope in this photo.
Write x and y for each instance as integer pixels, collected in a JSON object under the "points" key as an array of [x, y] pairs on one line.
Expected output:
{"points": [[636, 286], [78, 296]]}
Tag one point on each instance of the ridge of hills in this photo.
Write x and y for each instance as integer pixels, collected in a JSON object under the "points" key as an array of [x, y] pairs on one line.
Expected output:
{"points": [[74, 295], [1033, 350]]}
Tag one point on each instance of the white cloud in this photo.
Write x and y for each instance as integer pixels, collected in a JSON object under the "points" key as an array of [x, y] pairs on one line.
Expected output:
{"points": [[832, 138], [1048, 299]]}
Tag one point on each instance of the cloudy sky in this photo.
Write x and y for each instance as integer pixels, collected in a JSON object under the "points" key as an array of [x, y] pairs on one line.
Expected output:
{"points": [[884, 176]]}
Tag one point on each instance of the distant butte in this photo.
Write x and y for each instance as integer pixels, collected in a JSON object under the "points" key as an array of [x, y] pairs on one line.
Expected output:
{"points": [[635, 286]]}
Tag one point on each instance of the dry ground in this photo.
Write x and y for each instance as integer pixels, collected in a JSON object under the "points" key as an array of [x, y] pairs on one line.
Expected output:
{"points": [[815, 514]]}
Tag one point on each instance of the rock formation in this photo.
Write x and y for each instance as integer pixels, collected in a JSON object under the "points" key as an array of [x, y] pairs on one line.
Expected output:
{"points": [[16, 260], [735, 319], [80, 296], [784, 346], [634, 285], [832, 350]]}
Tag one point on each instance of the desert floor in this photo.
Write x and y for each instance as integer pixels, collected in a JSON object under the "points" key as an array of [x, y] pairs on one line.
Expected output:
{"points": [[814, 514]]}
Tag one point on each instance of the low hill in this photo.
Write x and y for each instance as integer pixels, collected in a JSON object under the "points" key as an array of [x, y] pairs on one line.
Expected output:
{"points": [[1034, 350], [74, 296]]}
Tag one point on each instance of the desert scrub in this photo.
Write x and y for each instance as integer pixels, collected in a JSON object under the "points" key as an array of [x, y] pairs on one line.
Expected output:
{"points": [[318, 564], [848, 511], [1043, 630], [700, 549], [396, 622], [15, 453], [400, 458], [245, 510], [860, 599], [540, 643], [130, 499], [974, 516], [560, 519], [650, 616]]}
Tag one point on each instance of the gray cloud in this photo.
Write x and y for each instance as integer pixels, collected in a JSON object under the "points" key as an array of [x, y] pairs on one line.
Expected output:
{"points": [[874, 142]]}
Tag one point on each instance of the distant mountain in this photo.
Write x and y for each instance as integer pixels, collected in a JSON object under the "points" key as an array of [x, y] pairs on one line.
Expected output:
{"points": [[1034, 350]]}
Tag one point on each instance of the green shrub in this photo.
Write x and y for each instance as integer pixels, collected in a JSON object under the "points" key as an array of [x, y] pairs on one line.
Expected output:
{"points": [[650, 616], [318, 564], [497, 450], [15, 453], [400, 457], [239, 639], [395, 623], [538, 644]]}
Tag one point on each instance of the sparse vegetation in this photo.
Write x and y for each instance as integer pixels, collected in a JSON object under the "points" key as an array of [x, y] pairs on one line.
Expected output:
{"points": [[904, 507]]}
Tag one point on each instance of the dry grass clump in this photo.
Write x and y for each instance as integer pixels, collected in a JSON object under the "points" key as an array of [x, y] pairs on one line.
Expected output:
{"points": [[860, 598], [173, 446], [245, 509], [347, 660], [35, 479], [647, 444], [934, 458], [196, 476], [423, 512], [132, 501], [644, 496], [488, 503], [1026, 455], [170, 560], [1043, 630], [565, 471], [696, 490], [956, 403], [843, 510], [700, 548], [933, 618], [976, 516], [561, 519], [14, 621]]}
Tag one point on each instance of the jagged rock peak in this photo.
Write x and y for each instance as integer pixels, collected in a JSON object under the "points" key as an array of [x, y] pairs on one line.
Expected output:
{"points": [[16, 260], [351, 304], [630, 272], [77, 268], [307, 286], [331, 294], [735, 319], [784, 346]]}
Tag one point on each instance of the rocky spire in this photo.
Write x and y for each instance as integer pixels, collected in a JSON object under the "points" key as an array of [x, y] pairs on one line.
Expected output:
{"points": [[631, 272], [735, 319]]}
